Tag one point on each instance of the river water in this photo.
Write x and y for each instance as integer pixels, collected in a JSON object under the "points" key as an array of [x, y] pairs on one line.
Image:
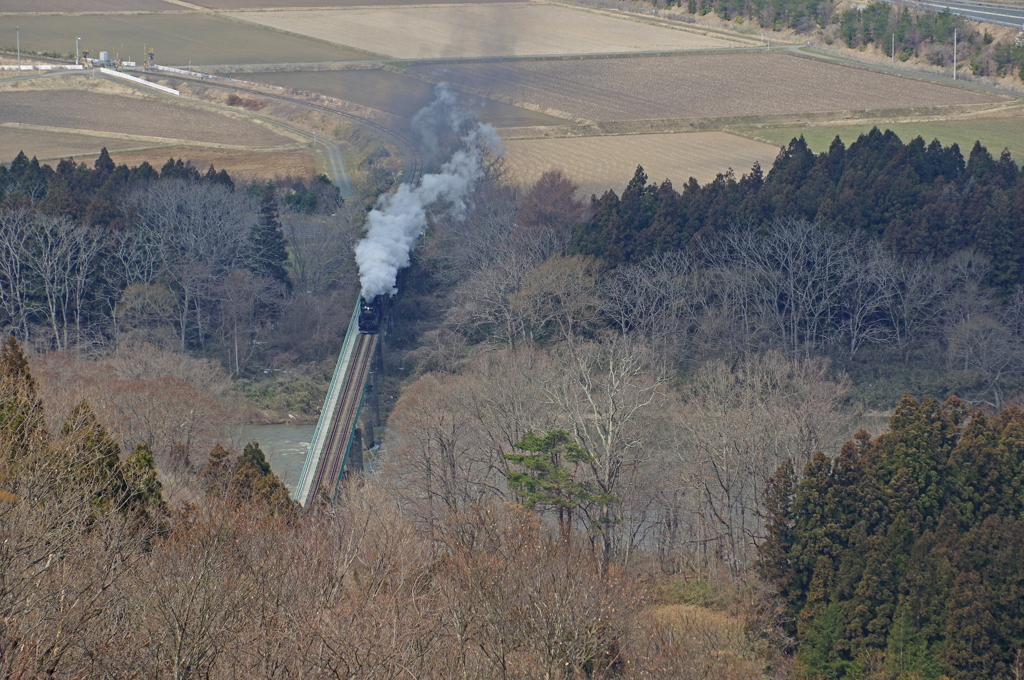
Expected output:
{"points": [[285, 447]]}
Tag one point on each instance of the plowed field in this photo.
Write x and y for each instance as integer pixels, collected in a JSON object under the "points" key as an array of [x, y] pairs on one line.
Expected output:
{"points": [[47, 146], [482, 30], [72, 110], [601, 163], [396, 94], [697, 86]]}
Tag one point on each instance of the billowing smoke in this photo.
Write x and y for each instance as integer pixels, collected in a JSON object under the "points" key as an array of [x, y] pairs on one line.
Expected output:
{"points": [[399, 218]]}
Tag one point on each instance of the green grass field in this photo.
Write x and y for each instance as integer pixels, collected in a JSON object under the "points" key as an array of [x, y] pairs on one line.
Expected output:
{"points": [[995, 134], [177, 39]]}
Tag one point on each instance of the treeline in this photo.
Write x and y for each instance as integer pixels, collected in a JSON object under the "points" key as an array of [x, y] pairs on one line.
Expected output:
{"points": [[102, 255], [93, 194], [918, 32], [774, 14], [901, 556], [921, 200], [885, 253], [909, 34]]}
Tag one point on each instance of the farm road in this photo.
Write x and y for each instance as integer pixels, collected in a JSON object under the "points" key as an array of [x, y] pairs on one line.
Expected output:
{"points": [[332, 152], [336, 165]]}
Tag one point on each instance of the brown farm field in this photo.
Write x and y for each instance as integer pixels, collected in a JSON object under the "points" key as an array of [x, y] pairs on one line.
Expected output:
{"points": [[71, 110], [50, 146], [703, 85], [241, 165], [295, 4], [71, 6], [601, 163], [484, 30], [396, 94], [203, 39]]}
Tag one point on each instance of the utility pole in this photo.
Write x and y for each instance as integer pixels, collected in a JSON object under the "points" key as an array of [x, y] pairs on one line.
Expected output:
{"points": [[894, 48], [18, 32], [76, 51], [954, 54]]}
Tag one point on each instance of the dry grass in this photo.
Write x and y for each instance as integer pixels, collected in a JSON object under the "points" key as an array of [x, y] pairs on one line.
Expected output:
{"points": [[483, 30], [687, 642], [71, 110], [601, 163], [697, 85], [71, 80], [177, 39]]}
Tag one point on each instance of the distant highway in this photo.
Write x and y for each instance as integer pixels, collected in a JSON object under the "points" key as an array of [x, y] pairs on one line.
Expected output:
{"points": [[1005, 15]]}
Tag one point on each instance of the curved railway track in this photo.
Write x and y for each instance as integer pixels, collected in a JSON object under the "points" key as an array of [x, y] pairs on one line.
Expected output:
{"points": [[413, 161]]}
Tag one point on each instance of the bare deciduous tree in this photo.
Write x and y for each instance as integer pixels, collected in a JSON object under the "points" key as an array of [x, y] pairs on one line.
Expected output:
{"points": [[801, 272], [739, 423], [607, 396], [201, 232], [16, 230]]}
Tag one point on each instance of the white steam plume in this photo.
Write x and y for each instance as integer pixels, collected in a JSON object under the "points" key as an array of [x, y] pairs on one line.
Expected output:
{"points": [[400, 217]]}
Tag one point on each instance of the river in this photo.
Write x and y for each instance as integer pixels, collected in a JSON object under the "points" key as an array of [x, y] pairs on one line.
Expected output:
{"points": [[285, 447]]}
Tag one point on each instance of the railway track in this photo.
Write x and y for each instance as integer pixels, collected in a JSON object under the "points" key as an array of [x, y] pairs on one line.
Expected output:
{"points": [[329, 451], [413, 160], [342, 421]]}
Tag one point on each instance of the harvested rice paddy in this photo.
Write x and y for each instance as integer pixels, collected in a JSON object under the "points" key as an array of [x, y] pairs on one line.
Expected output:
{"points": [[396, 94], [705, 85], [503, 29], [601, 163]]}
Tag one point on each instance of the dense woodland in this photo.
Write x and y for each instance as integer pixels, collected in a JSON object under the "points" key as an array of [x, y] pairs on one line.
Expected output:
{"points": [[901, 556], [105, 255], [594, 400], [882, 252]]}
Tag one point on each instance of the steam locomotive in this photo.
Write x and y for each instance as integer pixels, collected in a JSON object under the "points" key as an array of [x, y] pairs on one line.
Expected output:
{"points": [[370, 314]]}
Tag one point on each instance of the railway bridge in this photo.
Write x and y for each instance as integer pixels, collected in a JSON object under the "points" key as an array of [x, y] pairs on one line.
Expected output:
{"points": [[336, 445]]}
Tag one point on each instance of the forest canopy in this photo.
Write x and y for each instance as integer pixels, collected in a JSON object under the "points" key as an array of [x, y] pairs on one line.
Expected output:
{"points": [[920, 199], [904, 551]]}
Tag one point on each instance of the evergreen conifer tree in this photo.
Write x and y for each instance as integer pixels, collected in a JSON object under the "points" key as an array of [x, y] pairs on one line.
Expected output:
{"points": [[548, 481], [268, 254]]}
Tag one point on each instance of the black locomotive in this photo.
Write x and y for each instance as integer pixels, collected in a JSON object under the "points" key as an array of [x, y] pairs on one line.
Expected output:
{"points": [[370, 314]]}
